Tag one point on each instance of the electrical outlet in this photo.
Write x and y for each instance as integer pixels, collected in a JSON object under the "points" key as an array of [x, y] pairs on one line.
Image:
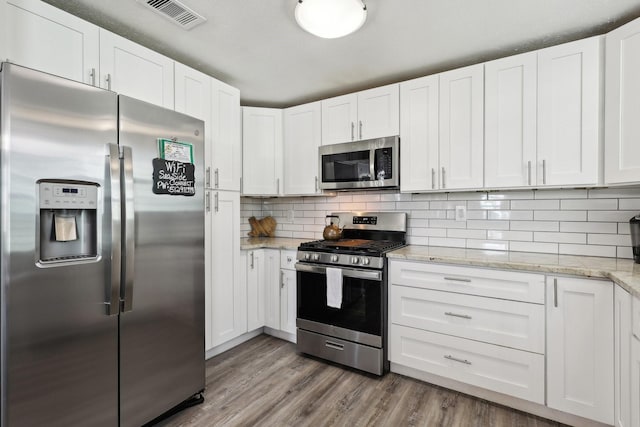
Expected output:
{"points": [[290, 215], [461, 213]]}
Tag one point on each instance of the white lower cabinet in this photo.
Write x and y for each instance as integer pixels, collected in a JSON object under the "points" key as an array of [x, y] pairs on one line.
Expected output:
{"points": [[254, 262], [622, 364], [504, 370], [288, 301], [580, 347], [635, 382]]}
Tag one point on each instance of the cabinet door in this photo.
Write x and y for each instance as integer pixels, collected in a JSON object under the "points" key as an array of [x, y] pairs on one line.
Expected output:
{"points": [[228, 294], [226, 137], [339, 117], [45, 38], [419, 134], [635, 382], [272, 282], [261, 151], [135, 71], [580, 347], [622, 103], [622, 350], [461, 128], [193, 97], [288, 303], [255, 289], [301, 141], [510, 121], [379, 112], [569, 113]]}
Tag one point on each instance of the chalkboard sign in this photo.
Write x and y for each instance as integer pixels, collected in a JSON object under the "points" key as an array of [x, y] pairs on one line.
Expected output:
{"points": [[173, 177]]}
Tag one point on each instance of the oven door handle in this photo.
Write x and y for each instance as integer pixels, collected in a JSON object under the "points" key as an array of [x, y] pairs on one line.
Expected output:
{"points": [[346, 272]]}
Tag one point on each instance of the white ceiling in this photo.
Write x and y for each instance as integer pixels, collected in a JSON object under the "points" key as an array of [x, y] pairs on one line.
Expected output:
{"points": [[256, 45]]}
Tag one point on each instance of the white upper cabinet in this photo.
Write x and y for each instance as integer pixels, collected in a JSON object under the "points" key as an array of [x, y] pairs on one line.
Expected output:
{"points": [[302, 127], [622, 127], [226, 161], [419, 134], [580, 347], [510, 121], [40, 36], [569, 113], [461, 128], [372, 113], [261, 151], [135, 71]]}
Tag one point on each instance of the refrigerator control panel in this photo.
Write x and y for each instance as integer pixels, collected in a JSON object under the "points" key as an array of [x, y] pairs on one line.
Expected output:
{"points": [[55, 195]]}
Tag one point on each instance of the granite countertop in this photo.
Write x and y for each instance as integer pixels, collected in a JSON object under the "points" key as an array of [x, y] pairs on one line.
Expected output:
{"points": [[621, 271]]}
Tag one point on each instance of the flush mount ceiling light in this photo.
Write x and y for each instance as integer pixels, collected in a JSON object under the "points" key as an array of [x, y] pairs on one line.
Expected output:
{"points": [[331, 19]]}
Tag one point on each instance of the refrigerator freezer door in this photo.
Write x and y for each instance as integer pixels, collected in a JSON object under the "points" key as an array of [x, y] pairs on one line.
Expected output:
{"points": [[162, 334], [59, 361]]}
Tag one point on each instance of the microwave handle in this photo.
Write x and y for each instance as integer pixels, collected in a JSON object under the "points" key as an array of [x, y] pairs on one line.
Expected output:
{"points": [[372, 165]]}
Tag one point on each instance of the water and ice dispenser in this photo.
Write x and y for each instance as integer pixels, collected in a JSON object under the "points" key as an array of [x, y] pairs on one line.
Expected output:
{"points": [[68, 221]]}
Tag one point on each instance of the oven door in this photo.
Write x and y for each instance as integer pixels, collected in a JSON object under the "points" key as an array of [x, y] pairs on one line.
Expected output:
{"points": [[361, 315]]}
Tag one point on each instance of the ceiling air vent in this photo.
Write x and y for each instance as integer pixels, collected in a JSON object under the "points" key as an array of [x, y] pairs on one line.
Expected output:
{"points": [[175, 11]]}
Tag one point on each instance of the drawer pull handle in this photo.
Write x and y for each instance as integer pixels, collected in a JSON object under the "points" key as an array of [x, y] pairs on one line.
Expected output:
{"points": [[456, 279], [334, 345], [455, 359], [464, 316]]}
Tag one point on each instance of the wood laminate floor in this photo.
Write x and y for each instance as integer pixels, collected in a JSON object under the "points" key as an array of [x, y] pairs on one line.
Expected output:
{"points": [[264, 382]]}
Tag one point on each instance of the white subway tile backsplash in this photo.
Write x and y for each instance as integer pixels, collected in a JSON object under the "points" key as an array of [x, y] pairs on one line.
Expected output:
{"points": [[556, 221], [560, 215], [511, 215], [588, 250], [535, 204], [588, 227], [544, 236], [589, 204]]}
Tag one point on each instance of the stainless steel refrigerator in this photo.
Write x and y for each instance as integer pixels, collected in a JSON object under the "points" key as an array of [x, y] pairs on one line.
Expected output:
{"points": [[102, 255]]}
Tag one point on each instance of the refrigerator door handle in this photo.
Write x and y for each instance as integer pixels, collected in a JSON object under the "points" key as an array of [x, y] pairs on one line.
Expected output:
{"points": [[113, 159], [126, 292]]}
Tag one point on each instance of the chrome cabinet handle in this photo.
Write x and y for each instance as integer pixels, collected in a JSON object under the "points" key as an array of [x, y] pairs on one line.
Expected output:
{"points": [[555, 292], [281, 279], [433, 178], [207, 201], [360, 125], [289, 259], [544, 172], [108, 80], [217, 178], [443, 181], [463, 316], [278, 186], [353, 126], [113, 159], [92, 74], [129, 231], [252, 260], [455, 359], [216, 205], [334, 345], [207, 177], [457, 279], [316, 184], [529, 171]]}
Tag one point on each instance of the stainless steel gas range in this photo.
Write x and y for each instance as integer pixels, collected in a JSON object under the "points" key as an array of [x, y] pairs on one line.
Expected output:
{"points": [[342, 291]]}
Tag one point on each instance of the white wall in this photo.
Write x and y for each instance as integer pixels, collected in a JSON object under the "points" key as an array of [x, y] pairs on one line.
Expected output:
{"points": [[572, 222]]}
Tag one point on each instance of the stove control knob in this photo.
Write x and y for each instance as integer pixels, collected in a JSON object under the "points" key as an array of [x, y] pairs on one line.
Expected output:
{"points": [[316, 257], [307, 257], [334, 258], [365, 261], [355, 260]]}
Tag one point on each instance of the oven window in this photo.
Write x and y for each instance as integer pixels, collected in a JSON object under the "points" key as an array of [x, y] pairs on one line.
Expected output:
{"points": [[346, 167], [361, 303]]}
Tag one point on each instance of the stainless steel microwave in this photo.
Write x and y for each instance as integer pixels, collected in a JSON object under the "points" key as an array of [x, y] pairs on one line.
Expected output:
{"points": [[359, 165]]}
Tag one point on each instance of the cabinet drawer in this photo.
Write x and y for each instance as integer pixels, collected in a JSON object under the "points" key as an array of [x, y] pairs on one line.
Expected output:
{"points": [[527, 287], [635, 307], [504, 370], [509, 323], [288, 260]]}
